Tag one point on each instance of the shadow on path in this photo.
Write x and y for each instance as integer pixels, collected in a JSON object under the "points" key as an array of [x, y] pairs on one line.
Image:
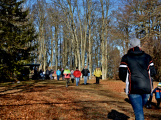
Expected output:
{"points": [[114, 115]]}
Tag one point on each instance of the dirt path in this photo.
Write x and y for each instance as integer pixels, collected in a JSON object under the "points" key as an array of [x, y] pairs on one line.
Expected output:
{"points": [[51, 100]]}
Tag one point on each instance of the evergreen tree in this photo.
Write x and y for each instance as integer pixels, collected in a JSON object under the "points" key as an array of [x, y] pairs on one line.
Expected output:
{"points": [[17, 36]]}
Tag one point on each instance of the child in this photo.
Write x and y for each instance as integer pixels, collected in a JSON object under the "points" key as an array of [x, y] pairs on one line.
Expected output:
{"points": [[72, 76], [157, 92], [58, 73]]}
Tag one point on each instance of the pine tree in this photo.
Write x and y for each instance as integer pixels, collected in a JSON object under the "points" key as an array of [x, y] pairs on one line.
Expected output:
{"points": [[17, 36]]}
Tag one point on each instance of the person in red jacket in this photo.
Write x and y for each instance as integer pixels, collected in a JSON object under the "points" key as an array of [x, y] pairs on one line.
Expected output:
{"points": [[77, 75]]}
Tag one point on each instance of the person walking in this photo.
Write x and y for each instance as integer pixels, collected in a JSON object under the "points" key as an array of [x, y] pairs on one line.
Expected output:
{"points": [[66, 74], [72, 76], [35, 73], [41, 74], [47, 73], [77, 75], [157, 92], [58, 73], [97, 74], [85, 72], [136, 69], [62, 73]]}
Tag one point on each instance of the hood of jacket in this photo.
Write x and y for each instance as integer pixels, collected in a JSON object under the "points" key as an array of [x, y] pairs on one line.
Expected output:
{"points": [[135, 51]]}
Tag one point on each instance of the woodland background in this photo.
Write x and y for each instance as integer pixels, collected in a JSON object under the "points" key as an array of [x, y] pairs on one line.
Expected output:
{"points": [[95, 33]]}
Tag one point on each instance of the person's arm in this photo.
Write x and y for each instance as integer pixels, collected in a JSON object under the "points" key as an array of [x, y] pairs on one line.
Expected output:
{"points": [[94, 73], [80, 74], [82, 71], [151, 95], [123, 69], [74, 73], [152, 68]]}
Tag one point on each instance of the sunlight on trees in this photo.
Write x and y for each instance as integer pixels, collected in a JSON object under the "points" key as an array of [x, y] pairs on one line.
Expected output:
{"points": [[95, 33]]}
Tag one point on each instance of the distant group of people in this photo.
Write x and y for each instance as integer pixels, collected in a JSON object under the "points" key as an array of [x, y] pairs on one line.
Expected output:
{"points": [[42, 74], [73, 75], [67, 74], [76, 74]]}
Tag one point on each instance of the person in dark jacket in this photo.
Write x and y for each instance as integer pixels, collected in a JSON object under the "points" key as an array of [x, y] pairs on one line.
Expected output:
{"points": [[47, 73], [62, 71], [72, 76], [85, 73], [136, 69], [77, 75], [36, 73]]}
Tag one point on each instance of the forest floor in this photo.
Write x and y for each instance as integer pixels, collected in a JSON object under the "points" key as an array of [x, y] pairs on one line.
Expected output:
{"points": [[51, 100]]}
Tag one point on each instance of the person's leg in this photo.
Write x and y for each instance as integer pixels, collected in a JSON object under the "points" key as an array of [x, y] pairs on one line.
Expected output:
{"points": [[85, 80], [50, 76], [77, 81], [66, 82], [137, 104], [148, 104], [58, 77], [98, 80], [145, 98], [158, 102], [43, 76], [72, 80]]}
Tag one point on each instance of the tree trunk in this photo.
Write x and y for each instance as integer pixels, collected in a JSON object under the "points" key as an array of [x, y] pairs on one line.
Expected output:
{"points": [[89, 36], [51, 57], [56, 47]]}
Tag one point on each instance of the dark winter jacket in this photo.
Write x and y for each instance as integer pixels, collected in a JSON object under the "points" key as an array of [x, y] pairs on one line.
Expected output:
{"points": [[47, 72], [136, 69], [85, 72], [62, 72]]}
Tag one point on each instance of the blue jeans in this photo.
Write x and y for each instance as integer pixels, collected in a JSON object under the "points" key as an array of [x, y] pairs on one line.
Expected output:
{"points": [[85, 79], [58, 77], [77, 81], [138, 101]]}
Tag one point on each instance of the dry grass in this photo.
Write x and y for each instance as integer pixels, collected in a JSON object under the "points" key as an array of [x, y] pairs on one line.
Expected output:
{"points": [[51, 100]]}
